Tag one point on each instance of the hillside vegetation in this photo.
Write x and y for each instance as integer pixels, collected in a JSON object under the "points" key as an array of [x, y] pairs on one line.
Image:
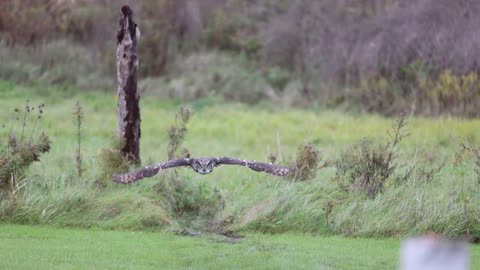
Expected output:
{"points": [[386, 56]]}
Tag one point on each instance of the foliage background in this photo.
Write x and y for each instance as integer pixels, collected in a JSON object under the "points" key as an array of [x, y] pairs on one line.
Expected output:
{"points": [[386, 56]]}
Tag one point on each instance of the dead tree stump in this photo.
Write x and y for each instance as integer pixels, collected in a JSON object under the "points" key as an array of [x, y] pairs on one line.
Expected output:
{"points": [[127, 92]]}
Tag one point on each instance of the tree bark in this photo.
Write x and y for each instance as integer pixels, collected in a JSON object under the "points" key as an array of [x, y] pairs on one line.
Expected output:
{"points": [[127, 92]]}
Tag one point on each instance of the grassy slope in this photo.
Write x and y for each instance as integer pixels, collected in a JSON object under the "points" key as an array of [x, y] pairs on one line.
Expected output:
{"points": [[54, 195]]}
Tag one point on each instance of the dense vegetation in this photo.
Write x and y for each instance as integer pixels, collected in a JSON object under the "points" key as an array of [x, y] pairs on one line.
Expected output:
{"points": [[368, 184], [387, 56]]}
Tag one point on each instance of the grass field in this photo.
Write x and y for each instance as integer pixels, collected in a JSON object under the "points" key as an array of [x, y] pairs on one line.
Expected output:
{"points": [[295, 83], [448, 202], [25, 247]]}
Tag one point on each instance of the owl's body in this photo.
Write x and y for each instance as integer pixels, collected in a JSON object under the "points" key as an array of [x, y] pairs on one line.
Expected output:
{"points": [[202, 165]]}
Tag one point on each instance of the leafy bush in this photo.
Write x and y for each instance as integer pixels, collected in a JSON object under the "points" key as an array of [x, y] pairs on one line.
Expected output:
{"points": [[21, 149], [367, 166], [306, 163]]}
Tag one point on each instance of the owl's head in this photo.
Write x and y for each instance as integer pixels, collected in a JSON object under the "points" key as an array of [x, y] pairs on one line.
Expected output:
{"points": [[203, 165]]}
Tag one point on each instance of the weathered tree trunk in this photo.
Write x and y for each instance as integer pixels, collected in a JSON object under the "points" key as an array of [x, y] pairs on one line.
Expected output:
{"points": [[128, 96]]}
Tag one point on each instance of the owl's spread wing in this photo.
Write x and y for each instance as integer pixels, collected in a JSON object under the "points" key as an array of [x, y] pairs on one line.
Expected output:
{"points": [[254, 165], [150, 171]]}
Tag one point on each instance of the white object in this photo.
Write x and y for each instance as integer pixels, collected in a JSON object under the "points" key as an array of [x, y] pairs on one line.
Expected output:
{"points": [[427, 253]]}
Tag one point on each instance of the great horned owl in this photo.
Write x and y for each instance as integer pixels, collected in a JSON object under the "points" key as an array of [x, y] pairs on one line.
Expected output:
{"points": [[203, 165]]}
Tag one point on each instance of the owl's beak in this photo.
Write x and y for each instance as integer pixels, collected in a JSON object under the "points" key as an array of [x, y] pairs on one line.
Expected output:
{"points": [[204, 171]]}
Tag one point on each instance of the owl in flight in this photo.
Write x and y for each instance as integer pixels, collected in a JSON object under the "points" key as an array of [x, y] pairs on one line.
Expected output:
{"points": [[202, 166]]}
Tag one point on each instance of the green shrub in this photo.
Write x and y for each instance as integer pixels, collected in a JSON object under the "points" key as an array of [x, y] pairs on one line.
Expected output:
{"points": [[367, 166], [306, 163], [22, 148]]}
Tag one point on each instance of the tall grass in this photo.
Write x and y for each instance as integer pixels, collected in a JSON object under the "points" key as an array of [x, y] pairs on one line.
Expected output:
{"points": [[446, 201]]}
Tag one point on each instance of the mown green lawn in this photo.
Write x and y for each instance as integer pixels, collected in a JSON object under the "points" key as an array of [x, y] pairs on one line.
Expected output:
{"points": [[25, 247]]}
